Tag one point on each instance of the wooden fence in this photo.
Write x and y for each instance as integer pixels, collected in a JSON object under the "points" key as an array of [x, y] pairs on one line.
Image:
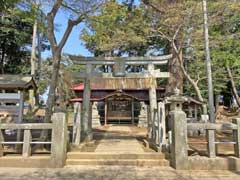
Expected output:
{"points": [[58, 140]]}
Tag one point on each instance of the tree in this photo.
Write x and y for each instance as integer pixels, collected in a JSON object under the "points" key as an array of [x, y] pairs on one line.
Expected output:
{"points": [[121, 29], [227, 54], [78, 11], [15, 32], [174, 20], [226, 46], [38, 24], [115, 31]]}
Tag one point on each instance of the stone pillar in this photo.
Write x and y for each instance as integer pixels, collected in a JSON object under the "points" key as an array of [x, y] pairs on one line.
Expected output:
{"points": [[95, 116], [236, 137], [178, 121], [211, 135], [152, 102], [179, 154], [90, 133], [162, 125], [133, 117], [59, 140], [77, 124], [142, 122], [86, 132], [105, 113], [20, 119]]}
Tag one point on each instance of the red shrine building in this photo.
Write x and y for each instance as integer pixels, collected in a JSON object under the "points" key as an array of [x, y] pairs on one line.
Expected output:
{"points": [[111, 106]]}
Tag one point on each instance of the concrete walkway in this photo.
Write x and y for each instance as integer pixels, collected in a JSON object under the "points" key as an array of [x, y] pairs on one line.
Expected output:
{"points": [[119, 139], [114, 173]]}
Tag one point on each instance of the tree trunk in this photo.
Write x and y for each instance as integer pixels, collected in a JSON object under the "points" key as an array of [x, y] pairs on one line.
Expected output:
{"points": [[39, 54], [176, 75], [52, 87], [33, 63], [208, 64], [234, 89], [39, 64]]}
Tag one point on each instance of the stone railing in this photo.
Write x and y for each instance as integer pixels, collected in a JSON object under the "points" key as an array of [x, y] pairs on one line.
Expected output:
{"points": [[179, 140], [211, 129], [58, 140]]}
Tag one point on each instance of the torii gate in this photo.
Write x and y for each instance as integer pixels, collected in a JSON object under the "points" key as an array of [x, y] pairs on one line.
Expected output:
{"points": [[120, 79]]}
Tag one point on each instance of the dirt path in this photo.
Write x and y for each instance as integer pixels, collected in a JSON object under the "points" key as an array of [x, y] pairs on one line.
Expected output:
{"points": [[119, 139], [114, 172]]}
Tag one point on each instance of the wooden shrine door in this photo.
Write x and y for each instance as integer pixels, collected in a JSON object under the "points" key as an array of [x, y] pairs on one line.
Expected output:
{"points": [[119, 110]]}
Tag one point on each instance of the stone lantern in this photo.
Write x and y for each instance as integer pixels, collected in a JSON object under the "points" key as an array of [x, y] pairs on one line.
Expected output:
{"points": [[176, 101], [178, 126]]}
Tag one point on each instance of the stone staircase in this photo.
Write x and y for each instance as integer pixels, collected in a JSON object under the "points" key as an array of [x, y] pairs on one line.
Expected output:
{"points": [[116, 158]]}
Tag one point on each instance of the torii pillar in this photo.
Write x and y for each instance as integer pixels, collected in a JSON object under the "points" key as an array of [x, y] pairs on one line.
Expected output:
{"points": [[153, 102], [86, 128]]}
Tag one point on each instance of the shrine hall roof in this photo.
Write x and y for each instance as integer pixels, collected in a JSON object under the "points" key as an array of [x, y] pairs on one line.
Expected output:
{"points": [[80, 87]]}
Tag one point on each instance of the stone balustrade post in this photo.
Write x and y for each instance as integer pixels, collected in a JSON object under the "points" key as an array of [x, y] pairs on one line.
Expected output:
{"points": [[59, 140], [178, 121], [211, 134], [236, 137]]}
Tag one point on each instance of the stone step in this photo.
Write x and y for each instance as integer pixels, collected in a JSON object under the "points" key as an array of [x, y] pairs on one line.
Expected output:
{"points": [[128, 156], [120, 162]]}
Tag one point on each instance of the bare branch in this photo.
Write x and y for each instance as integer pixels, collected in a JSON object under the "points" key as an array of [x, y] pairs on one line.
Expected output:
{"points": [[72, 23], [200, 78], [50, 19], [161, 34], [55, 8], [70, 8], [177, 32], [68, 30]]}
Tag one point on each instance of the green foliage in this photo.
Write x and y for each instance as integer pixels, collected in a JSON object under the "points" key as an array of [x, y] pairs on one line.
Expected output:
{"points": [[7, 4], [224, 31], [16, 26], [228, 54], [116, 30], [15, 33]]}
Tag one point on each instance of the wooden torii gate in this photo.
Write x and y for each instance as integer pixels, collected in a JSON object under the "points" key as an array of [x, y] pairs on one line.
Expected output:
{"points": [[120, 79]]}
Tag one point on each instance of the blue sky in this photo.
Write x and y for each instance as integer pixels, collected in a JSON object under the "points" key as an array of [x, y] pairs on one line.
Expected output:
{"points": [[73, 45]]}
